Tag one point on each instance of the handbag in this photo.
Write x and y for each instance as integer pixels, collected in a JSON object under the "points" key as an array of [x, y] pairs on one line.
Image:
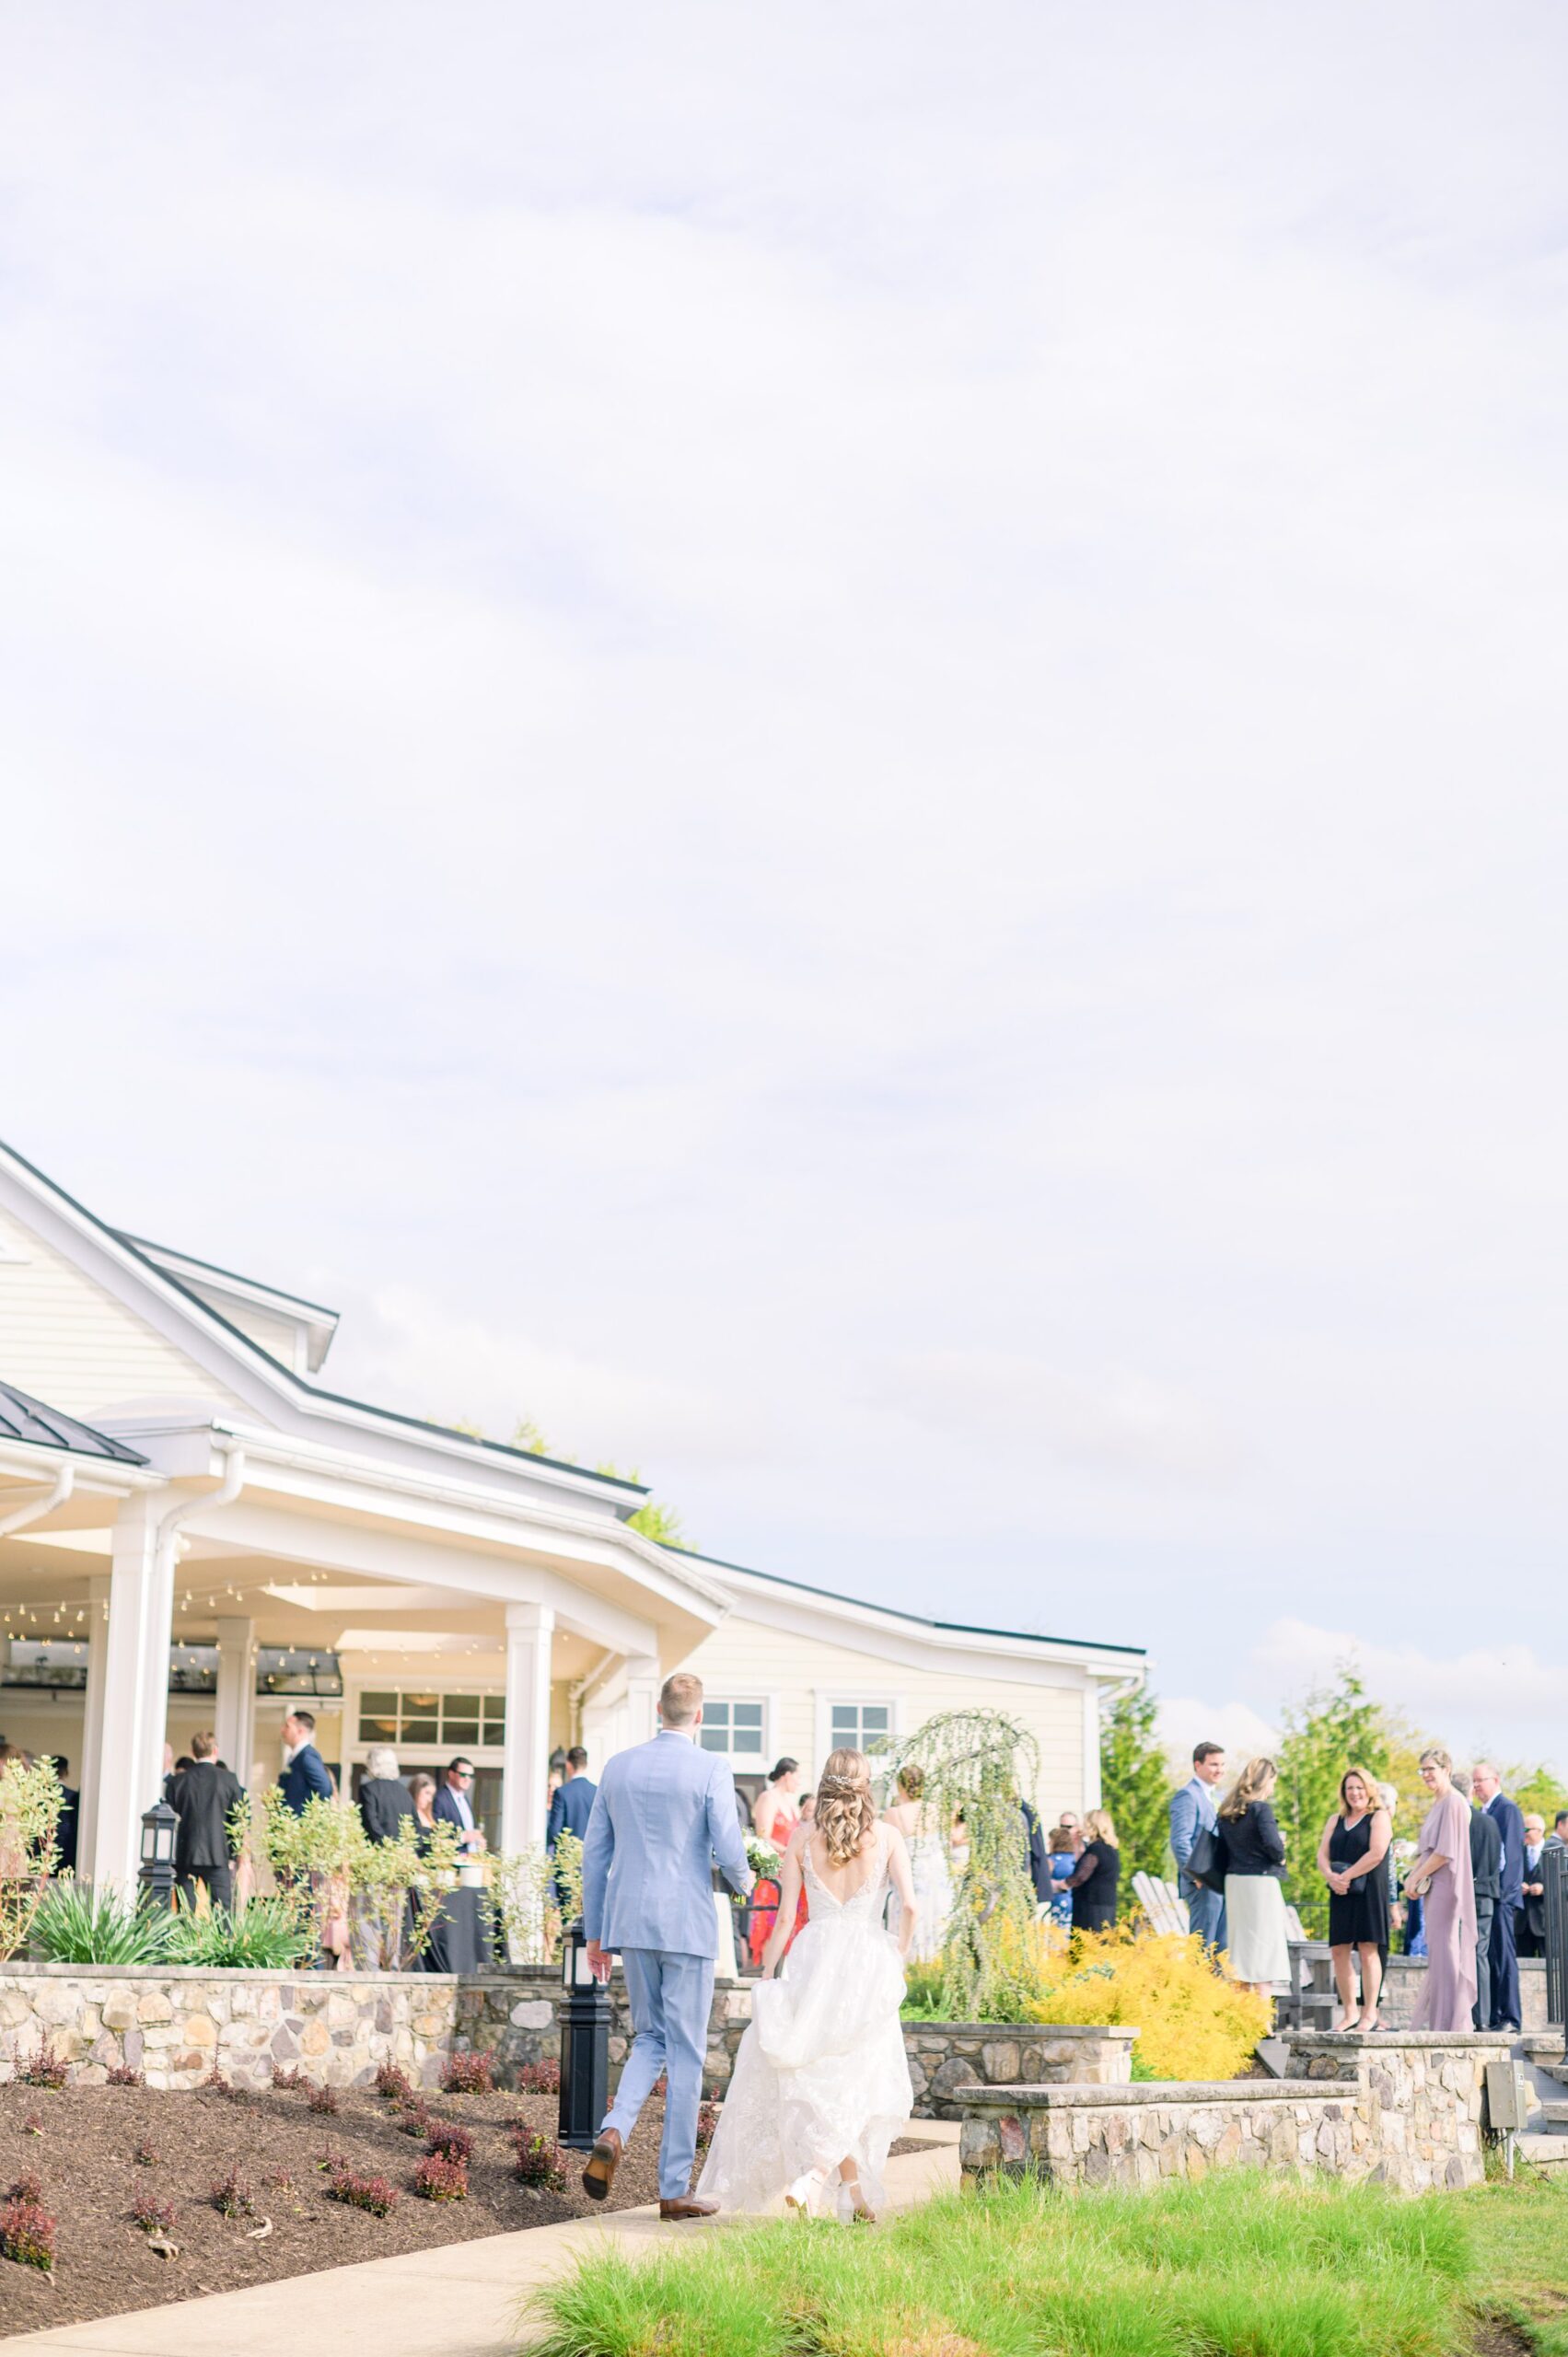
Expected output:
{"points": [[1206, 1864]]}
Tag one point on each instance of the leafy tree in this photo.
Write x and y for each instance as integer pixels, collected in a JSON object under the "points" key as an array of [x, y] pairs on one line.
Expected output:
{"points": [[975, 1764], [1539, 1790], [660, 1523], [1337, 1726], [1134, 1782]]}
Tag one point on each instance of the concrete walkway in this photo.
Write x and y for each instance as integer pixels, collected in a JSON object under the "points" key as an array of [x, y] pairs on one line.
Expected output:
{"points": [[461, 2299]]}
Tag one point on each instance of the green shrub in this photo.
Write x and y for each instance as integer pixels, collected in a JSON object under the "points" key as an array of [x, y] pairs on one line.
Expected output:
{"points": [[1191, 2023], [268, 1938], [74, 1925]]}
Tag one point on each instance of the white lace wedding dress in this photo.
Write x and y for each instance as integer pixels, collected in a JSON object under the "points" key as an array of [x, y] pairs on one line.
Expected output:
{"points": [[933, 1881], [822, 2075]]}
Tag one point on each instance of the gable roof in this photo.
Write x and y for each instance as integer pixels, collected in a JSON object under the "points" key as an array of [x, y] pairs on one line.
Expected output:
{"points": [[24, 1418], [320, 1322]]}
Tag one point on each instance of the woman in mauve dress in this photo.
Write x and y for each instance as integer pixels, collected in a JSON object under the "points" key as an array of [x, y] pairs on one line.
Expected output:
{"points": [[1442, 1880]]}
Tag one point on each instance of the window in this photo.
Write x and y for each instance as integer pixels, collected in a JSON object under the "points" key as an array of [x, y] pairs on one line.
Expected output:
{"points": [[435, 1722], [859, 1725], [734, 1728]]}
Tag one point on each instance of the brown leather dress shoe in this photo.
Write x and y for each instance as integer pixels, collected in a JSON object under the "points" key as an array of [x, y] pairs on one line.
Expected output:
{"points": [[688, 2206], [603, 2162]]}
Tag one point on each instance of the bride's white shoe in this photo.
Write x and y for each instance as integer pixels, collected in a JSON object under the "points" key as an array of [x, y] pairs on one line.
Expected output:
{"points": [[805, 2196]]}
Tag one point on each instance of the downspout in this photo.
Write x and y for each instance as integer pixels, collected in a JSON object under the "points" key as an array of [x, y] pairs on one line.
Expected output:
{"points": [[232, 1484], [36, 1508]]}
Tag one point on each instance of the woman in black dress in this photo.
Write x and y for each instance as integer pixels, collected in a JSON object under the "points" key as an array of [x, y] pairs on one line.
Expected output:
{"points": [[1097, 1874], [1351, 1858]]}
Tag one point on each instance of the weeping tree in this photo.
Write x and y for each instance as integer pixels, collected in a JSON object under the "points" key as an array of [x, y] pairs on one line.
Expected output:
{"points": [[976, 1766]]}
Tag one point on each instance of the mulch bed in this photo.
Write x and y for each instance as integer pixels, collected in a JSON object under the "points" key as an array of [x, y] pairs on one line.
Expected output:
{"points": [[83, 2157]]}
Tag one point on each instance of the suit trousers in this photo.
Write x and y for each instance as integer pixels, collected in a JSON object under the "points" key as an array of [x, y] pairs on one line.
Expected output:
{"points": [[1503, 1958], [1205, 1912], [218, 1879], [1486, 1911], [671, 1998]]}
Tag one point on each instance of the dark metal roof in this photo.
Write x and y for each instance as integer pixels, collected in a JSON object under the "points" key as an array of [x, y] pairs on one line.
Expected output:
{"points": [[22, 1418], [895, 1612]]}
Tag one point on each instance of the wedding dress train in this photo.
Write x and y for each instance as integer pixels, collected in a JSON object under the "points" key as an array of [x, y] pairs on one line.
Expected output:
{"points": [[822, 2075]]}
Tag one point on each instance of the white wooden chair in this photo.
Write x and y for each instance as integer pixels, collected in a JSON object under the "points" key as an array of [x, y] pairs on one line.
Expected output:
{"points": [[1161, 1902]]}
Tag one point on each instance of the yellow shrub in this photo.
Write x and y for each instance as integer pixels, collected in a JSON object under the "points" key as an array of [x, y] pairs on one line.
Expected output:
{"points": [[1191, 2024]]}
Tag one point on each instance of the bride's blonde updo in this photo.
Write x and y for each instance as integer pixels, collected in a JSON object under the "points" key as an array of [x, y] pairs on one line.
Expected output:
{"points": [[845, 1810]]}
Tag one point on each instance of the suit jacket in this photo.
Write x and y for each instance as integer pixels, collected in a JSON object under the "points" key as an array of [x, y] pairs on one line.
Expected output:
{"points": [[68, 1832], [571, 1810], [305, 1779], [445, 1810], [1035, 1852], [202, 1800], [1192, 1809], [384, 1806], [1509, 1819], [1532, 1912], [663, 1816], [1486, 1854]]}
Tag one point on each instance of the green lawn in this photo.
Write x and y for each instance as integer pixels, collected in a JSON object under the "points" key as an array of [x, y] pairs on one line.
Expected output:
{"points": [[1237, 2267]]}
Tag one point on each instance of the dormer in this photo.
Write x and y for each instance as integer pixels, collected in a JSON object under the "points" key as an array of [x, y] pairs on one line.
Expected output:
{"points": [[296, 1332]]}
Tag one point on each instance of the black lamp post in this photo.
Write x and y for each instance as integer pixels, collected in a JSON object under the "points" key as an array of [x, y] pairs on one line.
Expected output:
{"points": [[156, 1872], [585, 2047]]}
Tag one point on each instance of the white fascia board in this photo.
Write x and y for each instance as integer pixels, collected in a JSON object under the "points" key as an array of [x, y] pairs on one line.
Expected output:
{"points": [[864, 1628], [319, 1324], [102, 1476], [268, 1389]]}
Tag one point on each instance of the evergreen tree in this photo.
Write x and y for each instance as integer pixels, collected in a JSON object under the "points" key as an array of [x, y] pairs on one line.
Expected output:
{"points": [[1335, 1728], [1135, 1787]]}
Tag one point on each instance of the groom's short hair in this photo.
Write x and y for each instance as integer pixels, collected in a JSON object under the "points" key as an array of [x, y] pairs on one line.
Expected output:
{"points": [[680, 1698]]}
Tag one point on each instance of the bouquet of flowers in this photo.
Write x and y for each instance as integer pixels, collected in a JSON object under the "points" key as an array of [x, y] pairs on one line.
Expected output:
{"points": [[761, 1857]]}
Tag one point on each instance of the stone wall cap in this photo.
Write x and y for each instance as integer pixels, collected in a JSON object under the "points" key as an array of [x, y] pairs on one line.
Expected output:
{"points": [[1333, 2041], [1026, 2033], [227, 1975], [1197, 2093]]}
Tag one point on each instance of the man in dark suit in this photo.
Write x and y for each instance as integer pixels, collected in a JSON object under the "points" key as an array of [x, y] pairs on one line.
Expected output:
{"points": [[305, 1778], [203, 1797], [1529, 1924], [1509, 1819], [573, 1805], [1486, 1872], [453, 1805], [69, 1826]]}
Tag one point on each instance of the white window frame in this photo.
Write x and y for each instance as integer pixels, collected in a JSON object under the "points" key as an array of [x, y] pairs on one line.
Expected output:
{"points": [[420, 1755], [860, 1696], [745, 1763]]}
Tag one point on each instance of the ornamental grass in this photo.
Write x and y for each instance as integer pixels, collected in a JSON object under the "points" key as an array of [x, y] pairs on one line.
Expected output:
{"points": [[1241, 2263]]}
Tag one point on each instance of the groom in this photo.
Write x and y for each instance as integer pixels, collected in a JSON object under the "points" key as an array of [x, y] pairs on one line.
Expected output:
{"points": [[663, 1817]]}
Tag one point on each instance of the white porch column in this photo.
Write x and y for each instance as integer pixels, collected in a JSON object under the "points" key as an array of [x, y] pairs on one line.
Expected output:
{"points": [[234, 1719], [132, 1694], [90, 1766], [525, 1768], [642, 1684]]}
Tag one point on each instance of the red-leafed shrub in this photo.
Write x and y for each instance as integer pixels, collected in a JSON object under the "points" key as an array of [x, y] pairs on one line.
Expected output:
{"points": [[439, 2180], [288, 2077], [27, 2188], [27, 2234], [393, 2083], [153, 2216], [231, 2195], [467, 2074], [323, 2099], [123, 2075], [43, 2067], [541, 2078], [215, 2084], [147, 2155], [416, 2121], [540, 2161], [452, 2144], [377, 2194], [33, 2124], [707, 2123], [327, 2159]]}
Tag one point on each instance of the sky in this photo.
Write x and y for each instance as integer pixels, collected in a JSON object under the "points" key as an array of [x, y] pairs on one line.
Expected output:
{"points": [[827, 746]]}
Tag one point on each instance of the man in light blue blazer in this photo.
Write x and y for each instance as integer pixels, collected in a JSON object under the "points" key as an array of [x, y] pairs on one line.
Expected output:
{"points": [[1193, 1810], [663, 1817]]}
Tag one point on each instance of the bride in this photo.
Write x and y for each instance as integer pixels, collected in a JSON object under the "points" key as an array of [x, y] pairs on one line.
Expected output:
{"points": [[821, 2085]]}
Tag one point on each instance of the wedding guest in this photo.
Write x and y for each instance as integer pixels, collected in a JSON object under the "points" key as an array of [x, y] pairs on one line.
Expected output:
{"points": [[1254, 1863], [1558, 1837], [304, 1776], [1529, 1923], [1095, 1876], [572, 1808], [1035, 1859], [1352, 1858], [1509, 1820], [1486, 1874], [204, 1799], [807, 1808], [1061, 1854], [385, 1807], [68, 1832], [421, 1792], [776, 1811], [1442, 1880], [926, 1839], [1194, 1810], [454, 1805]]}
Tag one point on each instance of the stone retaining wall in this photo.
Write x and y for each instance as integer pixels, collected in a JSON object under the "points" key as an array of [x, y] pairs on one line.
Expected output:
{"points": [[176, 2022], [1405, 2110]]}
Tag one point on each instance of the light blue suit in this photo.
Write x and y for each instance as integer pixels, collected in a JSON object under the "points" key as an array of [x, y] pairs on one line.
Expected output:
{"points": [[1190, 1809], [664, 1816]]}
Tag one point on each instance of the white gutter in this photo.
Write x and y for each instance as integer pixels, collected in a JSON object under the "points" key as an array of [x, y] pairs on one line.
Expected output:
{"points": [[232, 1484], [36, 1508]]}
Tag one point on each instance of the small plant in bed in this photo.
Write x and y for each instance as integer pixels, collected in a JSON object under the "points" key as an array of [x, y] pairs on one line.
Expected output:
{"points": [[392, 2085], [453, 2143], [540, 2161], [439, 2180], [121, 2075], [27, 2187], [377, 2194], [287, 2078], [27, 2236], [232, 2197], [467, 2074], [153, 2216], [76, 1925], [147, 2155], [541, 2078], [268, 1938], [323, 2099], [41, 2068]]}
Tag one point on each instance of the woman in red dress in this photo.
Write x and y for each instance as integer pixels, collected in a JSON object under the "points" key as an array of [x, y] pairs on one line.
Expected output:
{"points": [[775, 1814]]}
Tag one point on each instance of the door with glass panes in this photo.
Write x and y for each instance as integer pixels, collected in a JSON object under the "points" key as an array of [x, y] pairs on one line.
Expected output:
{"points": [[426, 1726]]}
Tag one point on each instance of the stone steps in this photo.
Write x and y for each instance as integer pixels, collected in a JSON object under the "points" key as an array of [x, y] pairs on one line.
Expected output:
{"points": [[1555, 2114], [1544, 2152]]}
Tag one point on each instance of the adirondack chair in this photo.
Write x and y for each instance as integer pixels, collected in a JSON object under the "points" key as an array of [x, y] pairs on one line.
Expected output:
{"points": [[1161, 1902]]}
